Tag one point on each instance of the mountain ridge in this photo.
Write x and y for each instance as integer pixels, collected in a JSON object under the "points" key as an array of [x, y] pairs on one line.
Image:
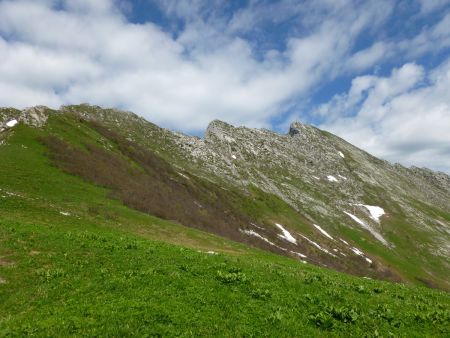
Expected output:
{"points": [[329, 184]]}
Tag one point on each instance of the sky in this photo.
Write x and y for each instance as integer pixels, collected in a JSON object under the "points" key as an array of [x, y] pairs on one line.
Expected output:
{"points": [[376, 73]]}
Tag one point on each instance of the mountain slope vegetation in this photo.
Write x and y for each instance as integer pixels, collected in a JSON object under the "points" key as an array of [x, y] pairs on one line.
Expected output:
{"points": [[103, 233]]}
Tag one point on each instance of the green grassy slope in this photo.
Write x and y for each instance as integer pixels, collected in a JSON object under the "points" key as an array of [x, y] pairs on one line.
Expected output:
{"points": [[90, 280], [418, 251], [73, 261]]}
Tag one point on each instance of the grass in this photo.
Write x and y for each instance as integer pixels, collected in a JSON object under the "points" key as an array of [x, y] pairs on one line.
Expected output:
{"points": [[98, 281], [74, 262]]}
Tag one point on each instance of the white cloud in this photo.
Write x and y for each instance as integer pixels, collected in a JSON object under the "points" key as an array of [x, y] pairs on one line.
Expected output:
{"points": [[403, 118], [427, 6], [88, 52], [432, 39], [368, 57]]}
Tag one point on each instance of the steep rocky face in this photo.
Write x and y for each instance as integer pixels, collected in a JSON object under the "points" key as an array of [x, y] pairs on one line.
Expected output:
{"points": [[351, 209]]}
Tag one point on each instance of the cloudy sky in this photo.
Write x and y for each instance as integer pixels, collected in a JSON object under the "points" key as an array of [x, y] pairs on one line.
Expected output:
{"points": [[376, 73]]}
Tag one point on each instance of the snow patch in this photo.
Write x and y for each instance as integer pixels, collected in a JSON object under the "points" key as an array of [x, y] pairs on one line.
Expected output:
{"points": [[343, 177], [255, 234], [257, 226], [356, 219], [286, 234], [298, 254], [357, 251], [332, 178], [375, 212], [326, 234], [316, 178], [11, 123], [360, 253], [374, 233], [183, 175], [341, 154], [233, 157], [64, 213], [345, 242], [317, 246]]}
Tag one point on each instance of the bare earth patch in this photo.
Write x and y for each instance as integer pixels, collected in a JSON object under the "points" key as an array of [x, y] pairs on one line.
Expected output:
{"points": [[5, 262]]}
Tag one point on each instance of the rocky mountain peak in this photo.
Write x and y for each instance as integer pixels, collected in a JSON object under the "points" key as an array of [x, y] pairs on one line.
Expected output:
{"points": [[218, 129], [35, 116], [298, 128]]}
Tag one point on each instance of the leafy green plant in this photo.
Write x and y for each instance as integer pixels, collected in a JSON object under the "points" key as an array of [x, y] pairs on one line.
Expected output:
{"points": [[322, 319], [262, 294], [231, 277]]}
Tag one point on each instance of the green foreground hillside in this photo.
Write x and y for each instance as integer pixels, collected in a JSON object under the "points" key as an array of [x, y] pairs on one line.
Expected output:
{"points": [[74, 261]]}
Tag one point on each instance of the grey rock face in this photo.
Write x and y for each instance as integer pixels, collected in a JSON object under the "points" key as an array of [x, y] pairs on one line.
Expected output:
{"points": [[33, 116]]}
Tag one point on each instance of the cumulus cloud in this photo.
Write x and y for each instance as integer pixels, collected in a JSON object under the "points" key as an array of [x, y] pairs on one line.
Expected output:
{"points": [[402, 117], [83, 51]]}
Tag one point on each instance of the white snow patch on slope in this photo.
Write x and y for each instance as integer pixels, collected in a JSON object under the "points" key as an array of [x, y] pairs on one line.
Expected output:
{"points": [[343, 241], [360, 253], [298, 254], [255, 234], [357, 251], [343, 177], [312, 242], [317, 246], [326, 234], [375, 212], [341, 154], [286, 234], [332, 178], [366, 226], [316, 178], [257, 226], [11, 123], [234, 157], [356, 219], [64, 213], [183, 175]]}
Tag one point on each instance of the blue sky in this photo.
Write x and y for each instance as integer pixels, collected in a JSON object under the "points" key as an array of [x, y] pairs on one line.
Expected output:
{"points": [[376, 73]]}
